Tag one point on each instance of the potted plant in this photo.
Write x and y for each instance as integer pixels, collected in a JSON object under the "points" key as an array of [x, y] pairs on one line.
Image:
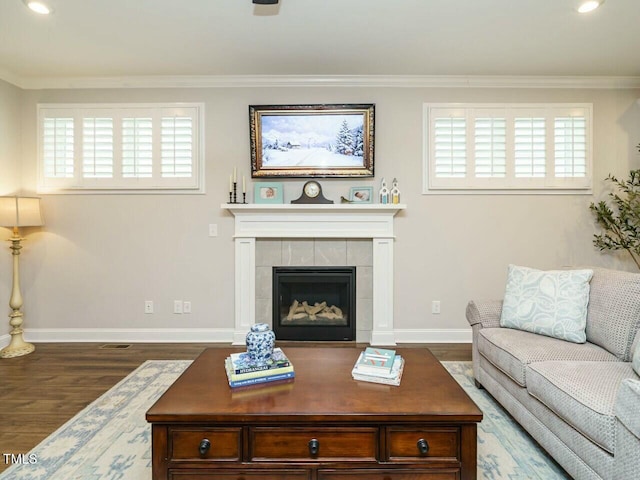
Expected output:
{"points": [[620, 217]]}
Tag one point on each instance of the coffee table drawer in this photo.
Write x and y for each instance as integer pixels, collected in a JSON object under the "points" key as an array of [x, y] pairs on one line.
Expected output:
{"points": [[205, 444], [313, 444], [428, 444], [238, 475], [404, 474]]}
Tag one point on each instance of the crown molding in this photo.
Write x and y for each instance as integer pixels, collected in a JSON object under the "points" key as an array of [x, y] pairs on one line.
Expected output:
{"points": [[360, 81]]}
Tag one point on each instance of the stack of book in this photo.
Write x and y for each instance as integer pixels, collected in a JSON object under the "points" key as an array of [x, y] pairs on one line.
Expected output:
{"points": [[242, 371], [379, 365]]}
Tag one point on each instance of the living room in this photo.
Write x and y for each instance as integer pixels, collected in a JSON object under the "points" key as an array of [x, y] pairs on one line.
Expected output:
{"points": [[87, 273]]}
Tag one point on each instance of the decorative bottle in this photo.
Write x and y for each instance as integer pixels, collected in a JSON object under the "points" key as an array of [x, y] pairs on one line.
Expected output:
{"points": [[384, 192], [395, 192], [260, 341]]}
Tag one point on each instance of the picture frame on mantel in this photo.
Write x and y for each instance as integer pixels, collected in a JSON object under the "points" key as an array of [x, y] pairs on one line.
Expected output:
{"points": [[326, 140], [268, 192], [361, 194]]}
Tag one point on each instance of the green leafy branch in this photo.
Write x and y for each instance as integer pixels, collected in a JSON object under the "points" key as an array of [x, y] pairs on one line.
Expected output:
{"points": [[620, 218]]}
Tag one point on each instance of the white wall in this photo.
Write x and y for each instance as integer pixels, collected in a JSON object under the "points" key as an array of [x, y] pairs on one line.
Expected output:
{"points": [[101, 256], [10, 153]]}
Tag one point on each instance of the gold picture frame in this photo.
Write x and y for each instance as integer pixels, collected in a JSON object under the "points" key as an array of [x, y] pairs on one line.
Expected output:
{"points": [[312, 140]]}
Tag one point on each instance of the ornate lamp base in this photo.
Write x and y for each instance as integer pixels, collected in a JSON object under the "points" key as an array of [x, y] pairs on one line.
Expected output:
{"points": [[17, 351], [17, 347]]}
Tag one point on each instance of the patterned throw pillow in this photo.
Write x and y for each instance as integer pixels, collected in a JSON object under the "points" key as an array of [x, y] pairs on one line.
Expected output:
{"points": [[635, 362], [552, 303]]}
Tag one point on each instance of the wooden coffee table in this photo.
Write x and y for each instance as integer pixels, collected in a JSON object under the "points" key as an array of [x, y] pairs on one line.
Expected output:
{"points": [[321, 426]]}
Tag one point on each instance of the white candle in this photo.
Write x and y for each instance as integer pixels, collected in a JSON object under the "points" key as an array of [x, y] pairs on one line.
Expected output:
{"points": [[235, 178], [244, 185]]}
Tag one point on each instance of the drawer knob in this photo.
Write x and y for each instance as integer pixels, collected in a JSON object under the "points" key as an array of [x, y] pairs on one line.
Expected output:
{"points": [[314, 446], [423, 446], [204, 447]]}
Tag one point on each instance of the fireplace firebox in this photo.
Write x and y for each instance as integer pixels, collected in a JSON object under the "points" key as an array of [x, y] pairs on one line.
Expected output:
{"points": [[314, 303]]}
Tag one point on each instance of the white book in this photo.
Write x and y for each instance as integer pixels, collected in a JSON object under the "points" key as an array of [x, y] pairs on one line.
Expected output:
{"points": [[392, 378]]}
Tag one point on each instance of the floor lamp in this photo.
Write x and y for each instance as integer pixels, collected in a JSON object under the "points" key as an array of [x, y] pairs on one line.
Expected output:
{"points": [[18, 212]]}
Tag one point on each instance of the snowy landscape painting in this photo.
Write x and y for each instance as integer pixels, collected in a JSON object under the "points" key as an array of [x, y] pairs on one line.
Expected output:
{"points": [[313, 140]]}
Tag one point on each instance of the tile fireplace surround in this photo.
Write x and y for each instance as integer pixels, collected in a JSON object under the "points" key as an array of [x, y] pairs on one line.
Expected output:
{"points": [[308, 222]]}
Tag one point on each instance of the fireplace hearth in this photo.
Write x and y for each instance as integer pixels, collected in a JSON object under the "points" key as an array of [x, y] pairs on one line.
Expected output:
{"points": [[314, 303]]}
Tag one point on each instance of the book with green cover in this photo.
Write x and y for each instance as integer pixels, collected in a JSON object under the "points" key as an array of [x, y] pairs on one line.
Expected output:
{"points": [[375, 360]]}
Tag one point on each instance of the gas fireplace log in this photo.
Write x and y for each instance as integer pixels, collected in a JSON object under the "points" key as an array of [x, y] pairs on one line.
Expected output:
{"points": [[317, 307], [292, 310], [298, 311]]}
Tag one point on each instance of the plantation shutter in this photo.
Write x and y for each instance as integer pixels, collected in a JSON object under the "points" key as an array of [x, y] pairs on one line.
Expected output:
{"points": [[450, 147], [570, 147], [490, 147], [495, 147], [97, 147], [176, 147], [119, 147], [137, 147], [529, 147], [58, 147]]}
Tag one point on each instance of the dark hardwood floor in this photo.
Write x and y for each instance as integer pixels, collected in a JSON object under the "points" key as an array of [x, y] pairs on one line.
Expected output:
{"points": [[41, 391]]}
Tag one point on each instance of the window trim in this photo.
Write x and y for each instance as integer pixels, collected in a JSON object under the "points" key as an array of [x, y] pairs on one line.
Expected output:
{"points": [[119, 184], [509, 185]]}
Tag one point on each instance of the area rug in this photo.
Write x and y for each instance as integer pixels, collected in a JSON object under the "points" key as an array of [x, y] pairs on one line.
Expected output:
{"points": [[111, 440]]}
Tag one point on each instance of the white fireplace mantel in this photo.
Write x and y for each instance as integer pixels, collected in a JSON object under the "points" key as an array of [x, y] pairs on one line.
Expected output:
{"points": [[374, 221]]}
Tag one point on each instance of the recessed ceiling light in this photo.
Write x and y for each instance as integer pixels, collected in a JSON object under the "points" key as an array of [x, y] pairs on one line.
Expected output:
{"points": [[589, 6], [39, 7]]}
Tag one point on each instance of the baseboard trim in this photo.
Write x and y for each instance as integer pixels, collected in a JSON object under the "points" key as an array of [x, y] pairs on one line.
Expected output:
{"points": [[434, 335], [129, 335], [4, 340], [212, 335]]}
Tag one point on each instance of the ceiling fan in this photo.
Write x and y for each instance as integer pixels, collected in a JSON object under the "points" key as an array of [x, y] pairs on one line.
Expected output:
{"points": [[266, 2]]}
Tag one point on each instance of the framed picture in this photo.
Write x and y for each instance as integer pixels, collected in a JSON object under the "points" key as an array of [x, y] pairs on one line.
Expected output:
{"points": [[268, 192], [361, 194], [311, 140]]}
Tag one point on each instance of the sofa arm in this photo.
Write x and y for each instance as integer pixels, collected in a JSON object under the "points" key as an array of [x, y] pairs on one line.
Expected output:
{"points": [[627, 410], [484, 313], [628, 405]]}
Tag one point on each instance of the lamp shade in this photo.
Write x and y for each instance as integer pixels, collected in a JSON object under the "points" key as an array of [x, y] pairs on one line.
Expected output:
{"points": [[20, 212]]}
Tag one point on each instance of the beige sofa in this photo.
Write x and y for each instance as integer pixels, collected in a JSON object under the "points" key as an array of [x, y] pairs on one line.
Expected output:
{"points": [[580, 401]]}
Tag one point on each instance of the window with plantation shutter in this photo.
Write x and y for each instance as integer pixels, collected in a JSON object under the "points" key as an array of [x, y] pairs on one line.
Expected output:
{"points": [[535, 148], [121, 147]]}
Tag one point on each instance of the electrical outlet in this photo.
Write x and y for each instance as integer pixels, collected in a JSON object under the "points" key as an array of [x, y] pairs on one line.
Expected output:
{"points": [[186, 307], [435, 307], [148, 306], [213, 230], [177, 306]]}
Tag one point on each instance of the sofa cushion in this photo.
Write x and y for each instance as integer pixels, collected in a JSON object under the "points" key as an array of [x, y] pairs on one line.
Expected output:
{"points": [[583, 394], [552, 303], [613, 316], [512, 350]]}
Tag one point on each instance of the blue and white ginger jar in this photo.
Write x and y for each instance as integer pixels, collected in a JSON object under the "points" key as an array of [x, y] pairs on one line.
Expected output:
{"points": [[260, 342]]}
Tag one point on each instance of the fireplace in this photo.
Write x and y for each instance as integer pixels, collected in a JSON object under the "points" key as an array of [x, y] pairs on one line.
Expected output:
{"points": [[314, 303]]}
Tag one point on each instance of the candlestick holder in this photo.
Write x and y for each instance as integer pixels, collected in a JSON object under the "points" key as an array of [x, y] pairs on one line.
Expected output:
{"points": [[233, 195]]}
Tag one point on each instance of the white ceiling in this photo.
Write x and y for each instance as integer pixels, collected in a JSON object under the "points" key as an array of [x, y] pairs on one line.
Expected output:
{"points": [[133, 38]]}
